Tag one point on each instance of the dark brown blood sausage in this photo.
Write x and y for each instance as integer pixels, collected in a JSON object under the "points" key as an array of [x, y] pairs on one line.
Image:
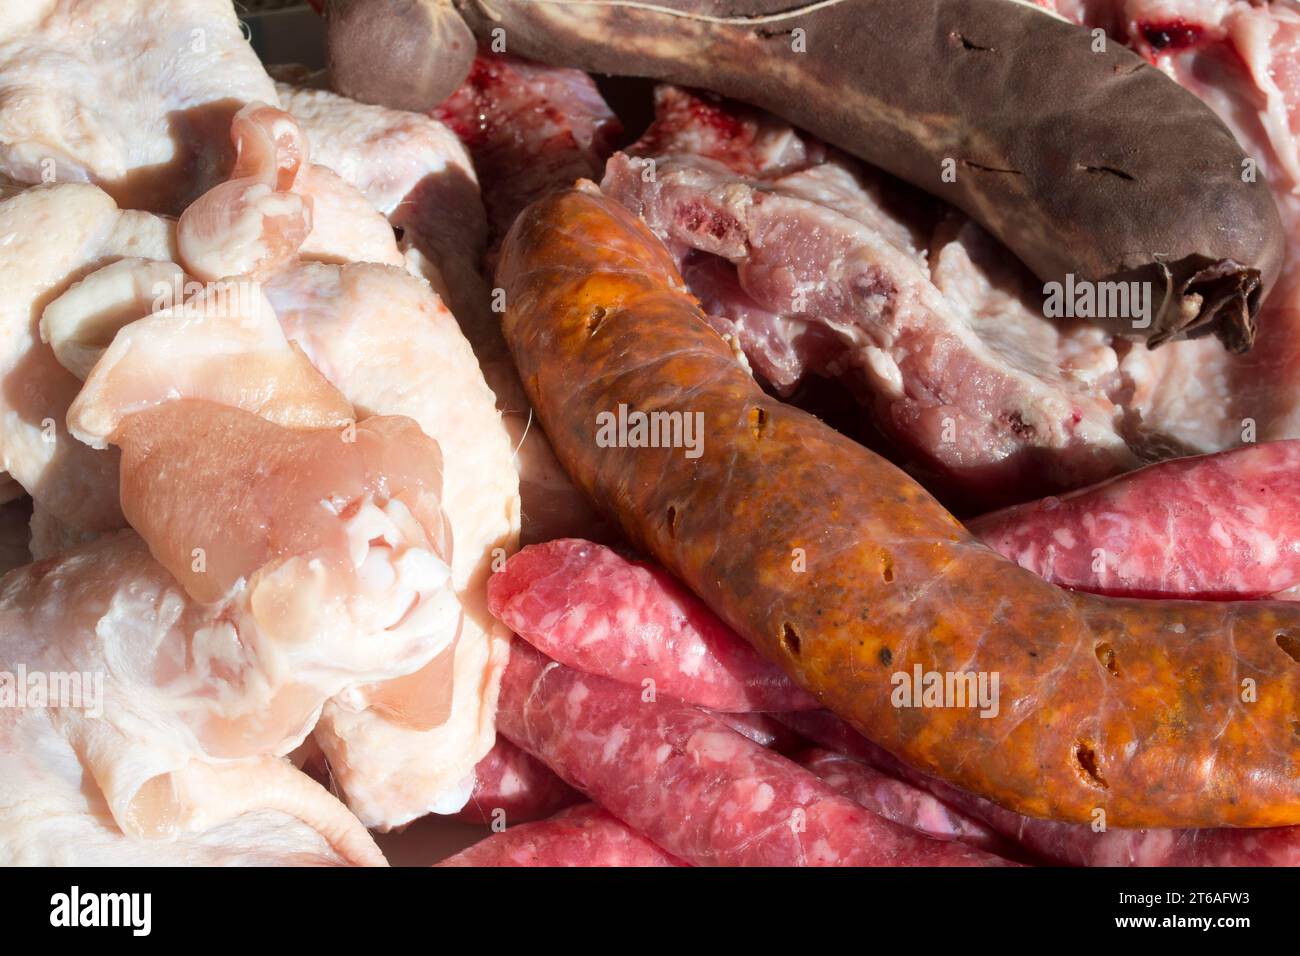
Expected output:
{"points": [[403, 54], [694, 786], [844, 571], [1082, 158]]}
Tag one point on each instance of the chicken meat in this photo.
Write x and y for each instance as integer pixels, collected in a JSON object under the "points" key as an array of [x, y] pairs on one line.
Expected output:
{"points": [[134, 96]]}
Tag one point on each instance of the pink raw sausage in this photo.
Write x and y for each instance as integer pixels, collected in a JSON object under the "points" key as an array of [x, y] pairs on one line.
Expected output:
{"points": [[1224, 526], [1075, 844], [696, 788], [590, 608], [896, 800], [518, 785], [583, 835]]}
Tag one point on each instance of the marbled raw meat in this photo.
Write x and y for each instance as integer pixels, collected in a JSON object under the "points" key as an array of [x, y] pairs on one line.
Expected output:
{"points": [[895, 800], [515, 787], [1215, 527], [695, 787], [1073, 844], [586, 606], [585, 836]]}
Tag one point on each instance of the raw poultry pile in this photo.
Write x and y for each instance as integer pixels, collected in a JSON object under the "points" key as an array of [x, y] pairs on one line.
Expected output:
{"points": [[288, 379]]}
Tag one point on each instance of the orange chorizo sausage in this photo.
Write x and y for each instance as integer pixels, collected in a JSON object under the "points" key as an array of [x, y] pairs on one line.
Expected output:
{"points": [[848, 574]]}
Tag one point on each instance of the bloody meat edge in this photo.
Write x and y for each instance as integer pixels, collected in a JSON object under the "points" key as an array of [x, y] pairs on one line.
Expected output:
{"points": [[846, 572], [1075, 157]]}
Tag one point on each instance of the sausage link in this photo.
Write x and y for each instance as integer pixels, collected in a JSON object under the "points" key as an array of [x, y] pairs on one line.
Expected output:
{"points": [[1072, 844], [514, 787], [1216, 527], [586, 606], [583, 836], [695, 787], [894, 799]]}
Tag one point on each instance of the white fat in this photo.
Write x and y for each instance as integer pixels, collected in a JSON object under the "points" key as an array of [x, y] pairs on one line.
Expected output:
{"points": [[734, 344], [376, 571], [396, 571], [884, 371], [763, 798], [352, 699], [369, 524], [454, 799], [416, 564], [278, 204]]}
